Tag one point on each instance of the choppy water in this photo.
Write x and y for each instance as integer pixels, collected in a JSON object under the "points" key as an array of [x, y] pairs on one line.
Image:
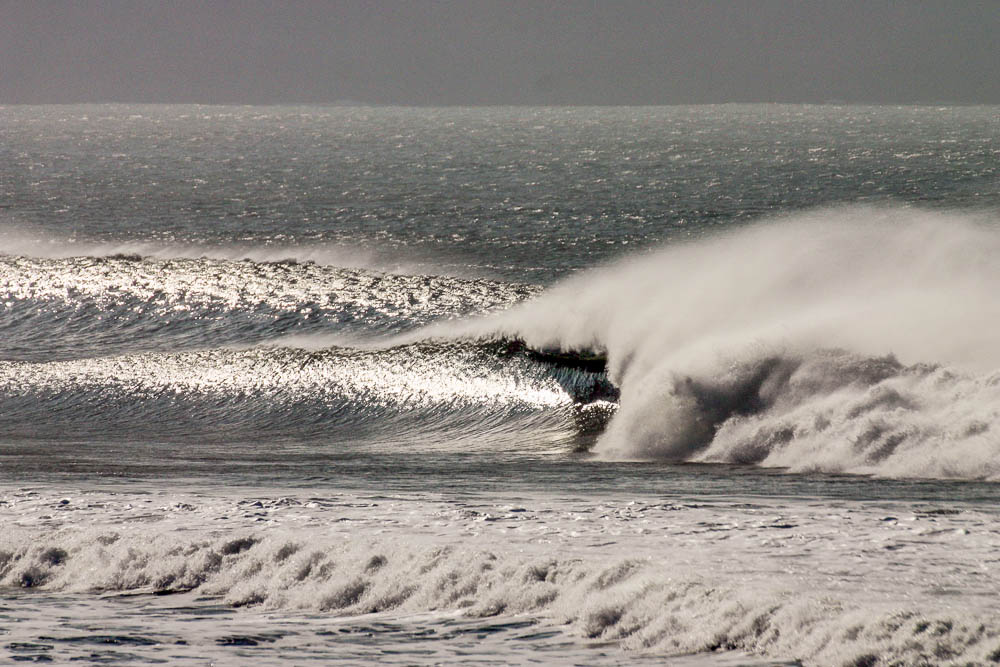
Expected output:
{"points": [[499, 385]]}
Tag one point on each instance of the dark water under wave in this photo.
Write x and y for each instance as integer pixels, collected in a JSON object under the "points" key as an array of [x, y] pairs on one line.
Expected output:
{"points": [[578, 369]]}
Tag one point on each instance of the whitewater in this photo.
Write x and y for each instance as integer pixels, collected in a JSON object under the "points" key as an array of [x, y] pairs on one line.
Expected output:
{"points": [[686, 385], [850, 340]]}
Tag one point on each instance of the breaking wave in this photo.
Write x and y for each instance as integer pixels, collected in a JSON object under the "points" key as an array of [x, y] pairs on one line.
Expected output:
{"points": [[852, 340], [848, 340]]}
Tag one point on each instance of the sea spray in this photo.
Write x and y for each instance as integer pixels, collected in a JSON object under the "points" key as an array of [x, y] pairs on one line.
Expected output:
{"points": [[726, 349]]}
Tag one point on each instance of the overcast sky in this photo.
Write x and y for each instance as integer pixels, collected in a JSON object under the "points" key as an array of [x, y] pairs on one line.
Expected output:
{"points": [[500, 51]]}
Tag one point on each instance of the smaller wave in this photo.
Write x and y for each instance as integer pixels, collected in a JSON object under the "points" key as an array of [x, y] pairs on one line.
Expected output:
{"points": [[97, 306]]}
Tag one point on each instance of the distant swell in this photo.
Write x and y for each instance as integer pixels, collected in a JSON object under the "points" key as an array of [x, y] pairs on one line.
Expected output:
{"points": [[14, 242]]}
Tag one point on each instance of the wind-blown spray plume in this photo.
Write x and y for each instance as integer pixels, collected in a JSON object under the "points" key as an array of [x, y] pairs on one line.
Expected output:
{"points": [[856, 340]]}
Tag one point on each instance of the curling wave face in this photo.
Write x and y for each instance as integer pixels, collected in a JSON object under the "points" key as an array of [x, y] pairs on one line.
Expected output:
{"points": [[848, 340], [170, 349], [427, 393]]}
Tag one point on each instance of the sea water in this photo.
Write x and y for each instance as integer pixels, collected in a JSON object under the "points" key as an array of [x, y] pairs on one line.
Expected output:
{"points": [[702, 385]]}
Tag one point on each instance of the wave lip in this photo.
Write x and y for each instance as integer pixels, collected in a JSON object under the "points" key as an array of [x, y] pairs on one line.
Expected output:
{"points": [[415, 392]]}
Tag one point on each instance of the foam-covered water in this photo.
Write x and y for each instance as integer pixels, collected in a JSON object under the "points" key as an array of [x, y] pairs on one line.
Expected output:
{"points": [[677, 575], [604, 386]]}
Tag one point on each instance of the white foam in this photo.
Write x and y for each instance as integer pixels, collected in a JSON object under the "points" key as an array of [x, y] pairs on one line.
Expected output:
{"points": [[827, 583]]}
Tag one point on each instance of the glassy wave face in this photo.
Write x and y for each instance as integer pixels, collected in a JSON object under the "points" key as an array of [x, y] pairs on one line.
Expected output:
{"points": [[223, 348], [101, 305]]}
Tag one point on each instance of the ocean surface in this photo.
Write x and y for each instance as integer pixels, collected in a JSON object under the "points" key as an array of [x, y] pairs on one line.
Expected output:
{"points": [[710, 385]]}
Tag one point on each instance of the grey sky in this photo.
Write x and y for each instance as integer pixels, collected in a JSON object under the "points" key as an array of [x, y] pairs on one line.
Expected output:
{"points": [[499, 52]]}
